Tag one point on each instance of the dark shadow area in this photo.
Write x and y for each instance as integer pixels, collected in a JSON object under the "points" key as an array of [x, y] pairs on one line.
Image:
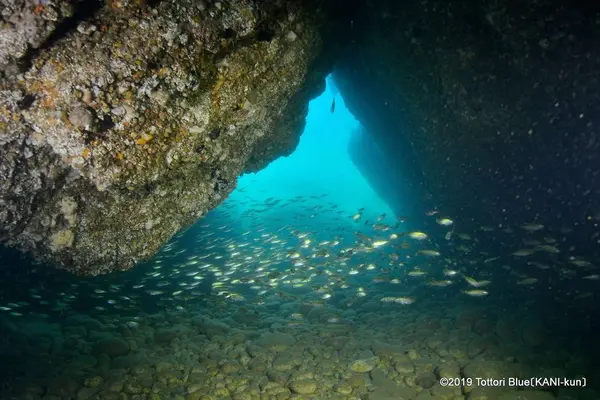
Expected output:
{"points": [[385, 175]]}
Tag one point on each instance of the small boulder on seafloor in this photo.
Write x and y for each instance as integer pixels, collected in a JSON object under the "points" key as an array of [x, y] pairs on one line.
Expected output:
{"points": [[276, 341], [426, 380], [210, 327], [303, 386], [166, 335], [364, 364], [245, 316], [111, 346]]}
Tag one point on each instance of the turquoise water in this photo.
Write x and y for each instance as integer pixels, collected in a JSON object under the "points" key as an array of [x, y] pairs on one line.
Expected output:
{"points": [[320, 165]]}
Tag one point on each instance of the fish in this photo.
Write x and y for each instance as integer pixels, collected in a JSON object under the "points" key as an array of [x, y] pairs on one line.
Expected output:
{"points": [[442, 283], [305, 250], [417, 235], [527, 281], [405, 300], [548, 249], [538, 265], [532, 227], [581, 263], [524, 252], [429, 253], [476, 292], [476, 283], [444, 221], [398, 300], [381, 227], [379, 243], [332, 108]]}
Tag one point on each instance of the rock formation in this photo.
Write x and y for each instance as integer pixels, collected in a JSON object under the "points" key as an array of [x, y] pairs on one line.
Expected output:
{"points": [[122, 127], [494, 101]]}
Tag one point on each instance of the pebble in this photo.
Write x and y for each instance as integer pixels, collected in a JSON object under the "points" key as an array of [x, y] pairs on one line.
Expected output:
{"points": [[81, 118], [291, 36], [206, 358], [364, 365], [303, 386]]}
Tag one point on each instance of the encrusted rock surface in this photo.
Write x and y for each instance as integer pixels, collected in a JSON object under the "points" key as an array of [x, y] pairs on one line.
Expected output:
{"points": [[28, 24], [136, 122]]}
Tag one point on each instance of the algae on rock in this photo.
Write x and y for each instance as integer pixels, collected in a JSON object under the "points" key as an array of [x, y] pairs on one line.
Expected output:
{"points": [[119, 135]]}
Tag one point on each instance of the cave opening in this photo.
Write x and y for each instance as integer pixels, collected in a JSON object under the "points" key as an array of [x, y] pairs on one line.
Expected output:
{"points": [[324, 173]]}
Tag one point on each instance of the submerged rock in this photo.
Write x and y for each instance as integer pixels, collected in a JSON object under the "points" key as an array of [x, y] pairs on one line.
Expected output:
{"points": [[364, 365], [166, 335], [27, 25], [210, 327], [303, 386], [136, 122], [276, 341], [426, 380], [112, 346]]}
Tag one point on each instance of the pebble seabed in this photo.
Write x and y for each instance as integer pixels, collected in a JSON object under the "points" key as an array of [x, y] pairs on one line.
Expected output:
{"points": [[292, 350]]}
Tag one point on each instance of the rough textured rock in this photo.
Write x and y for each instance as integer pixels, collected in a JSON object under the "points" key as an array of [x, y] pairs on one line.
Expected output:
{"points": [[135, 122], [112, 346], [276, 341], [304, 386], [28, 24], [210, 326], [364, 365]]}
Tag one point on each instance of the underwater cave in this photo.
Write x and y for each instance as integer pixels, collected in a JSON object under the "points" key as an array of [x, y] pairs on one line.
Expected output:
{"points": [[374, 200]]}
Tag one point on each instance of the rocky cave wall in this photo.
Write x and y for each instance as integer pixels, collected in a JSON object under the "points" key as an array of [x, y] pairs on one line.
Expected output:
{"points": [[495, 101], [386, 175], [123, 123]]}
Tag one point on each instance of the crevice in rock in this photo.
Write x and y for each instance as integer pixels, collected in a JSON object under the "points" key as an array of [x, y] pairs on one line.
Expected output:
{"points": [[26, 101], [265, 35], [105, 124], [151, 3], [83, 10]]}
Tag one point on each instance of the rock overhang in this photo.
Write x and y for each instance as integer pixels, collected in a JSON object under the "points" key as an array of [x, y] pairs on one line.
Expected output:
{"points": [[137, 122]]}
